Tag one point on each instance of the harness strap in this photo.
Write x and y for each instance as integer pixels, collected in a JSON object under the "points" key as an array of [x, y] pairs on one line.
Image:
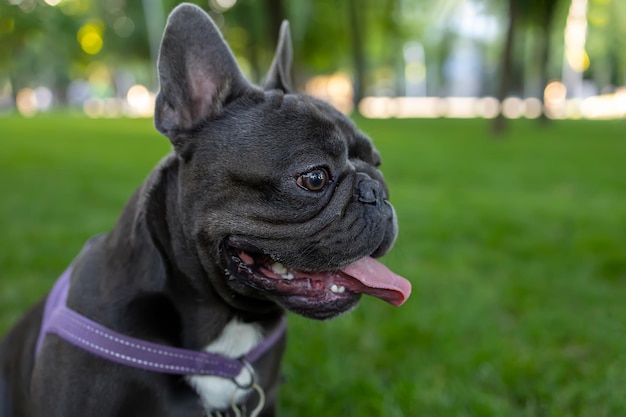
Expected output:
{"points": [[115, 347]]}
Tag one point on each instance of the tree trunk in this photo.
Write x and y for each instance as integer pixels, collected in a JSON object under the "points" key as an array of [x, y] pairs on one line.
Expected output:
{"points": [[14, 88], [546, 50], [256, 34], [506, 66], [275, 13], [358, 55]]}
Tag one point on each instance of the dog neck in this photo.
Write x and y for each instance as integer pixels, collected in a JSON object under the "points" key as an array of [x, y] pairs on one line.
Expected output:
{"points": [[153, 284]]}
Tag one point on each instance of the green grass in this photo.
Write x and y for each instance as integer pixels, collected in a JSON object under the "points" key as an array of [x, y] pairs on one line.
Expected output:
{"points": [[516, 249]]}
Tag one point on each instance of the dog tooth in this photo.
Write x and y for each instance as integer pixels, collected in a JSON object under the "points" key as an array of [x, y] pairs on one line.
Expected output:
{"points": [[287, 276], [279, 268], [338, 289]]}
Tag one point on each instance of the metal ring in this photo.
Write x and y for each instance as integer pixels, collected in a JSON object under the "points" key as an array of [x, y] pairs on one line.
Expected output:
{"points": [[261, 404], [248, 366]]}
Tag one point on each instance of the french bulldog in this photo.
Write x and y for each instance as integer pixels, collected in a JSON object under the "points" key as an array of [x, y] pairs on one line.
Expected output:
{"points": [[270, 201]]}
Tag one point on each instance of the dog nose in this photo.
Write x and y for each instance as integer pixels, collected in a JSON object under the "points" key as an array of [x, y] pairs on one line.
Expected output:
{"points": [[370, 191]]}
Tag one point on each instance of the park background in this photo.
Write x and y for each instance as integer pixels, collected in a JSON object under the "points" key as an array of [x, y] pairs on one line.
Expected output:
{"points": [[501, 126]]}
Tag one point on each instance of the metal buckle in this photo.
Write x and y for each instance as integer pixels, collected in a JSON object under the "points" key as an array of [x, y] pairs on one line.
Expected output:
{"points": [[248, 366], [240, 412], [252, 384]]}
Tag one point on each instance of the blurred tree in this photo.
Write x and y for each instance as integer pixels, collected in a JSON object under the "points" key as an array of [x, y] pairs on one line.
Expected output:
{"points": [[33, 45], [39, 43], [330, 36], [358, 54], [524, 14], [244, 31], [540, 15], [252, 28], [275, 14], [607, 42], [506, 66], [14, 31]]}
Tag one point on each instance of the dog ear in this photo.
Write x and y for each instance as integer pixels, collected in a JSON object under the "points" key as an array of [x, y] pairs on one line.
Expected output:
{"points": [[198, 74], [279, 75]]}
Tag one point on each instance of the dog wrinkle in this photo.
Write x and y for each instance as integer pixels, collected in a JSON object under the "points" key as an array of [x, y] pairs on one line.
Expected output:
{"points": [[236, 340]]}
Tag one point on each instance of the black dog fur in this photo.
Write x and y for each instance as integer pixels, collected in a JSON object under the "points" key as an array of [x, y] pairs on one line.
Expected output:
{"points": [[232, 183]]}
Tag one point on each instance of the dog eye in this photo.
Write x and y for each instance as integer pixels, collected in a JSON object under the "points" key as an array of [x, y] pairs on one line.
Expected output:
{"points": [[314, 180]]}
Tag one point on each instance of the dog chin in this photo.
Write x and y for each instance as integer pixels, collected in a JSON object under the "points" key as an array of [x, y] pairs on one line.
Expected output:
{"points": [[317, 295], [313, 309]]}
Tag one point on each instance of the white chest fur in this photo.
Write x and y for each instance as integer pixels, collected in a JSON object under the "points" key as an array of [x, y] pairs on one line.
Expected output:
{"points": [[236, 340]]}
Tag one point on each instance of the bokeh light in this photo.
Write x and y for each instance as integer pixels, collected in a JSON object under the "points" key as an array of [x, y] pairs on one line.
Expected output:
{"points": [[419, 84], [555, 91], [533, 108], [335, 89], [221, 5], [512, 107], [140, 101], [487, 107], [31, 101], [123, 26], [89, 37], [578, 59], [43, 98], [93, 107], [26, 102]]}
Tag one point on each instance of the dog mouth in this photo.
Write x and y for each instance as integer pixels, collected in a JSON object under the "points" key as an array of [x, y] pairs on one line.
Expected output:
{"points": [[298, 290]]}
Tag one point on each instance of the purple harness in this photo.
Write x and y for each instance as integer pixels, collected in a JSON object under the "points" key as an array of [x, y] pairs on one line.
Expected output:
{"points": [[115, 347]]}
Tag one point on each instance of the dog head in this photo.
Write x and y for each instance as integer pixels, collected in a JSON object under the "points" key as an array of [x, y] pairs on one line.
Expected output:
{"points": [[280, 194]]}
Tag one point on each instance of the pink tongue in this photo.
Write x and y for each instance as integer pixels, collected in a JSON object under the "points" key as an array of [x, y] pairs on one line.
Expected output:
{"points": [[379, 280]]}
